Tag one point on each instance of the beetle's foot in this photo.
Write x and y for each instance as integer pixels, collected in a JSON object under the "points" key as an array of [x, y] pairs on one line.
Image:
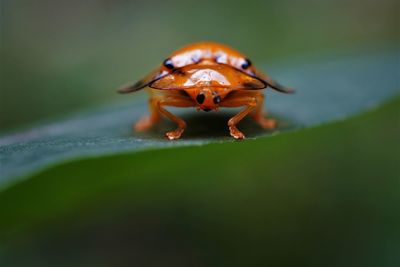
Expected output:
{"points": [[174, 134], [235, 133], [267, 123], [144, 124]]}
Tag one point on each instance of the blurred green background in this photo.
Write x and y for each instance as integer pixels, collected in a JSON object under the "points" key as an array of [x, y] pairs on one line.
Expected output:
{"points": [[62, 56]]}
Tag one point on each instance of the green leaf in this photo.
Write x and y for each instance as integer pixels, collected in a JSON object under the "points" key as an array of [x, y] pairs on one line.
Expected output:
{"points": [[322, 196], [326, 90]]}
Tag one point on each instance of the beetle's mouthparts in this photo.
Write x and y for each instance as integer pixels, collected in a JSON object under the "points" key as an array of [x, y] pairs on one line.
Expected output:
{"points": [[207, 109]]}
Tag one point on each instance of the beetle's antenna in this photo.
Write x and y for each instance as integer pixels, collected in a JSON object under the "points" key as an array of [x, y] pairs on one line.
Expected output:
{"points": [[272, 83], [146, 81], [280, 88], [131, 87]]}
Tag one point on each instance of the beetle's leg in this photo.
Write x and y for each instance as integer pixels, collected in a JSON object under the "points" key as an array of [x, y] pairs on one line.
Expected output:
{"points": [[260, 117], [249, 101], [175, 102], [148, 121]]}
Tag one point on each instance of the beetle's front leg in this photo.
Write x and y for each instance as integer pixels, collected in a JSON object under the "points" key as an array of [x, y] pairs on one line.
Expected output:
{"points": [[250, 102], [175, 102]]}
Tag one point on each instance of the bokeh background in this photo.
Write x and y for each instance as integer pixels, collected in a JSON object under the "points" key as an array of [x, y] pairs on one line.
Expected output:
{"points": [[61, 56]]}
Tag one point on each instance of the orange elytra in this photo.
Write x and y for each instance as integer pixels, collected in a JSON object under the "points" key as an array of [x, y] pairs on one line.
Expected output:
{"points": [[206, 76]]}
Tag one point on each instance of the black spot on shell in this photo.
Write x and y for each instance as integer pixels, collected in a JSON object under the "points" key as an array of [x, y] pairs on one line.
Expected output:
{"points": [[168, 64], [246, 64]]}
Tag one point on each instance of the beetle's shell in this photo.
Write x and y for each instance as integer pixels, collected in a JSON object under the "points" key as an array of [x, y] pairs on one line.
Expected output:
{"points": [[217, 76], [186, 63], [208, 51]]}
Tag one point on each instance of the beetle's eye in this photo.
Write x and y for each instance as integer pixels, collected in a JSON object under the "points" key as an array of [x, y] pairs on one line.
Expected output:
{"points": [[168, 64], [246, 64], [200, 98], [217, 99]]}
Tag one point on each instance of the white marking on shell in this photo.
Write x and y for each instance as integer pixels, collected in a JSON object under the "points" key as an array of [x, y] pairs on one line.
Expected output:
{"points": [[206, 77]]}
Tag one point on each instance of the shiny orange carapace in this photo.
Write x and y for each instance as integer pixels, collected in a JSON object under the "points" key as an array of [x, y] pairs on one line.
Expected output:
{"points": [[206, 76]]}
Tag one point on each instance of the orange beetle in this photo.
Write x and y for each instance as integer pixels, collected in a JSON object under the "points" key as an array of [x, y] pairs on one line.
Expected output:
{"points": [[207, 76]]}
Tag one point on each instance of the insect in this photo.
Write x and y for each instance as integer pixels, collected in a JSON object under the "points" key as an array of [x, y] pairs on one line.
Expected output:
{"points": [[206, 76]]}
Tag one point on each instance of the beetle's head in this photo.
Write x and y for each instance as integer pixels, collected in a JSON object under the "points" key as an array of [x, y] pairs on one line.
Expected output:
{"points": [[207, 99]]}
